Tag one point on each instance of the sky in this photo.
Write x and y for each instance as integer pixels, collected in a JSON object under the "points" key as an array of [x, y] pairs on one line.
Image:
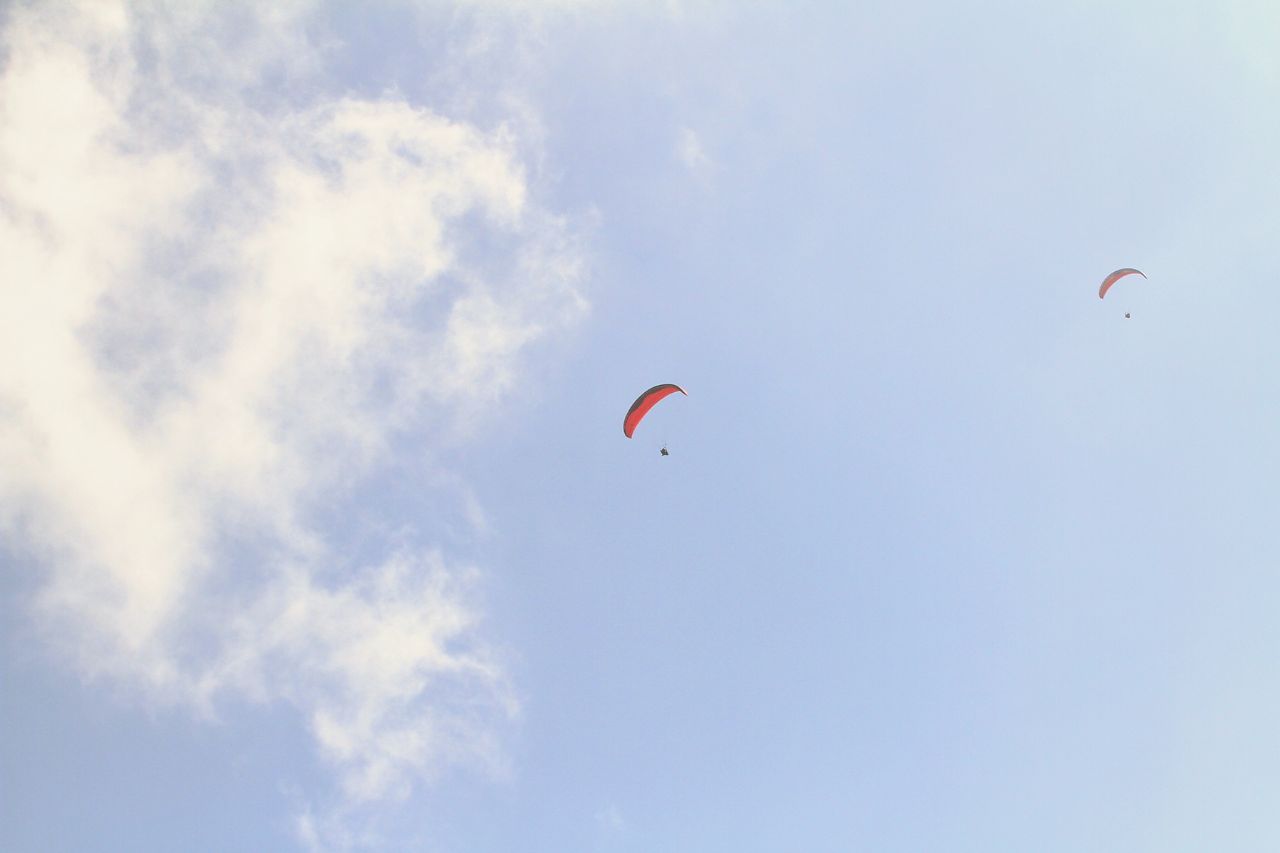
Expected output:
{"points": [[318, 530]]}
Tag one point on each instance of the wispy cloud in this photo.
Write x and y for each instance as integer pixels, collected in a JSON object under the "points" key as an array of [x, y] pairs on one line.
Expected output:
{"points": [[690, 152], [609, 819], [218, 312]]}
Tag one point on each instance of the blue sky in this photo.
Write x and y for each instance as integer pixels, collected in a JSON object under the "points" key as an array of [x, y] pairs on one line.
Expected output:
{"points": [[319, 530]]}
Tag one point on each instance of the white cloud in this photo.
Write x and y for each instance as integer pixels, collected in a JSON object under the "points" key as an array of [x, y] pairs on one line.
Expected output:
{"points": [[609, 819], [217, 312], [690, 152]]}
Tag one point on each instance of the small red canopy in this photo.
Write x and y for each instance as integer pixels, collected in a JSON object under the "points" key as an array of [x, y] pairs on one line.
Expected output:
{"points": [[644, 403], [1116, 276]]}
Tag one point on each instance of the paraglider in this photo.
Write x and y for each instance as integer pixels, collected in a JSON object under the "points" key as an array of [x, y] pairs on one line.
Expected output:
{"points": [[1116, 276], [644, 403]]}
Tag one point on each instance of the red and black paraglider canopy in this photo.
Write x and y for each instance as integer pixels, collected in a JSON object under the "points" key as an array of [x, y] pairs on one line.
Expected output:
{"points": [[644, 403], [1116, 276]]}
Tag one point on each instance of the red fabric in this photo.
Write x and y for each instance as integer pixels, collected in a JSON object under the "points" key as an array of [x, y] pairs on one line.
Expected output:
{"points": [[1114, 277], [644, 403]]}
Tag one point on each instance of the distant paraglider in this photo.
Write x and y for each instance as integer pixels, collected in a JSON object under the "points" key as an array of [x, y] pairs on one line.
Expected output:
{"points": [[644, 403], [1116, 276]]}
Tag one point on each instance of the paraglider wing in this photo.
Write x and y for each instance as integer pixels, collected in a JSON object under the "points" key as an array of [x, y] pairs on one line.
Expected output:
{"points": [[644, 403], [1116, 276]]}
